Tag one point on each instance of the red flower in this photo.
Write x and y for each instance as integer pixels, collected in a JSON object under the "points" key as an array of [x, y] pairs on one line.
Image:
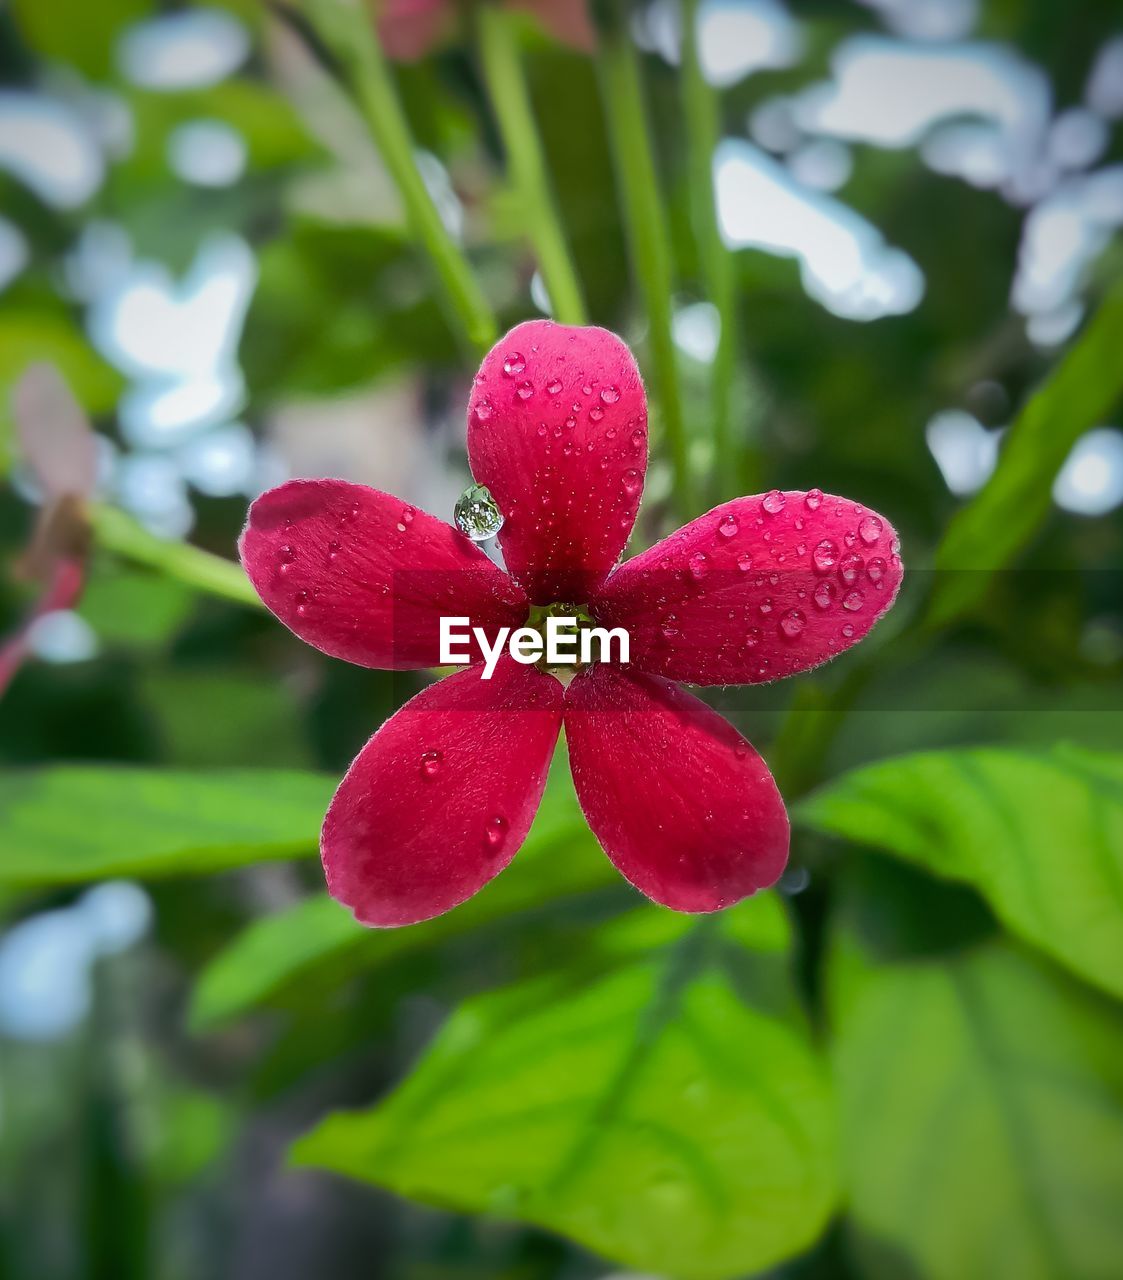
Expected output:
{"points": [[441, 798], [409, 29], [61, 452]]}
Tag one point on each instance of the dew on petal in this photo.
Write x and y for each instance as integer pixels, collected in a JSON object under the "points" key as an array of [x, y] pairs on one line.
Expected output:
{"points": [[853, 601], [699, 564], [823, 596], [752, 637], [301, 601], [483, 411], [553, 387], [288, 554], [477, 514], [850, 566], [596, 413], [792, 624], [766, 606], [848, 631], [431, 764], [875, 570], [609, 395], [728, 526], [524, 390], [514, 365], [633, 481], [869, 530], [825, 555], [773, 502], [813, 499], [496, 834]]}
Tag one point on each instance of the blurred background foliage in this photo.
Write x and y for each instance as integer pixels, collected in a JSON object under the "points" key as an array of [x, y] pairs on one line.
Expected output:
{"points": [[906, 1061]]}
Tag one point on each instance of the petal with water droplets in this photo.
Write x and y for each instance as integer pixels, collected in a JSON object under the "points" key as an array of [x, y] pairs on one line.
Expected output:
{"points": [[755, 590], [683, 805], [557, 430], [365, 577], [441, 798]]}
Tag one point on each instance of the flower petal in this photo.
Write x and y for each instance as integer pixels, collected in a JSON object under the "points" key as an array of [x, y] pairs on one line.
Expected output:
{"points": [[557, 430], [757, 589], [440, 799], [683, 805], [409, 29], [365, 577]]}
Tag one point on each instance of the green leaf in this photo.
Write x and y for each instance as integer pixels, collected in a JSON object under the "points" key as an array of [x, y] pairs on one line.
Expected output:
{"points": [[319, 941], [76, 31], [657, 1100], [1039, 834], [980, 1101], [66, 825], [996, 524]]}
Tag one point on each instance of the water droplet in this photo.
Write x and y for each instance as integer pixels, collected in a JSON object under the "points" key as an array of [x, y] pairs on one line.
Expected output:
{"points": [[553, 387], [869, 530], [792, 624], [496, 832], [773, 502], [288, 554], [813, 499], [669, 626], [571, 422], [638, 439], [745, 562], [824, 595], [431, 763], [728, 527], [825, 555], [633, 481], [699, 564], [301, 603], [875, 570], [514, 365], [850, 566], [596, 413], [752, 637], [477, 515], [853, 601], [609, 395], [483, 411], [542, 429], [848, 631], [524, 390], [766, 606], [333, 549]]}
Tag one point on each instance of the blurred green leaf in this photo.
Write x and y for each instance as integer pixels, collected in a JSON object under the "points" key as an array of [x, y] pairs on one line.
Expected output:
{"points": [[980, 1101], [131, 608], [318, 940], [994, 526], [66, 825], [1039, 834], [77, 31], [658, 1100]]}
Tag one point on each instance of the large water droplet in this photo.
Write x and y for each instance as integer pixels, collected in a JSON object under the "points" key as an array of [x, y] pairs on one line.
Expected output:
{"points": [[699, 564], [287, 555], [773, 502], [766, 606], [431, 764], [476, 514], [869, 530], [728, 526], [813, 499], [483, 411], [875, 570], [524, 390], [496, 832], [745, 562], [825, 555], [553, 387], [633, 481], [610, 395], [853, 601], [596, 413], [850, 566], [792, 624], [514, 365], [823, 596]]}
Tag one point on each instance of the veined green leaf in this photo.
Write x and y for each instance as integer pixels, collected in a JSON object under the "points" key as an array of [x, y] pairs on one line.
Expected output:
{"points": [[65, 825], [982, 1127], [1039, 834], [660, 1103], [319, 938], [998, 522]]}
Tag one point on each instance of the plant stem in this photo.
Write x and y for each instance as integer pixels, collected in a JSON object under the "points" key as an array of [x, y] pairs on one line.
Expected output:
{"points": [[120, 533], [345, 30], [510, 100], [702, 110], [645, 227]]}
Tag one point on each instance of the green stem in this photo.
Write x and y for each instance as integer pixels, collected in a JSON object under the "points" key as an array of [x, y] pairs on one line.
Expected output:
{"points": [[702, 110], [118, 532], [645, 228], [510, 100], [345, 30]]}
